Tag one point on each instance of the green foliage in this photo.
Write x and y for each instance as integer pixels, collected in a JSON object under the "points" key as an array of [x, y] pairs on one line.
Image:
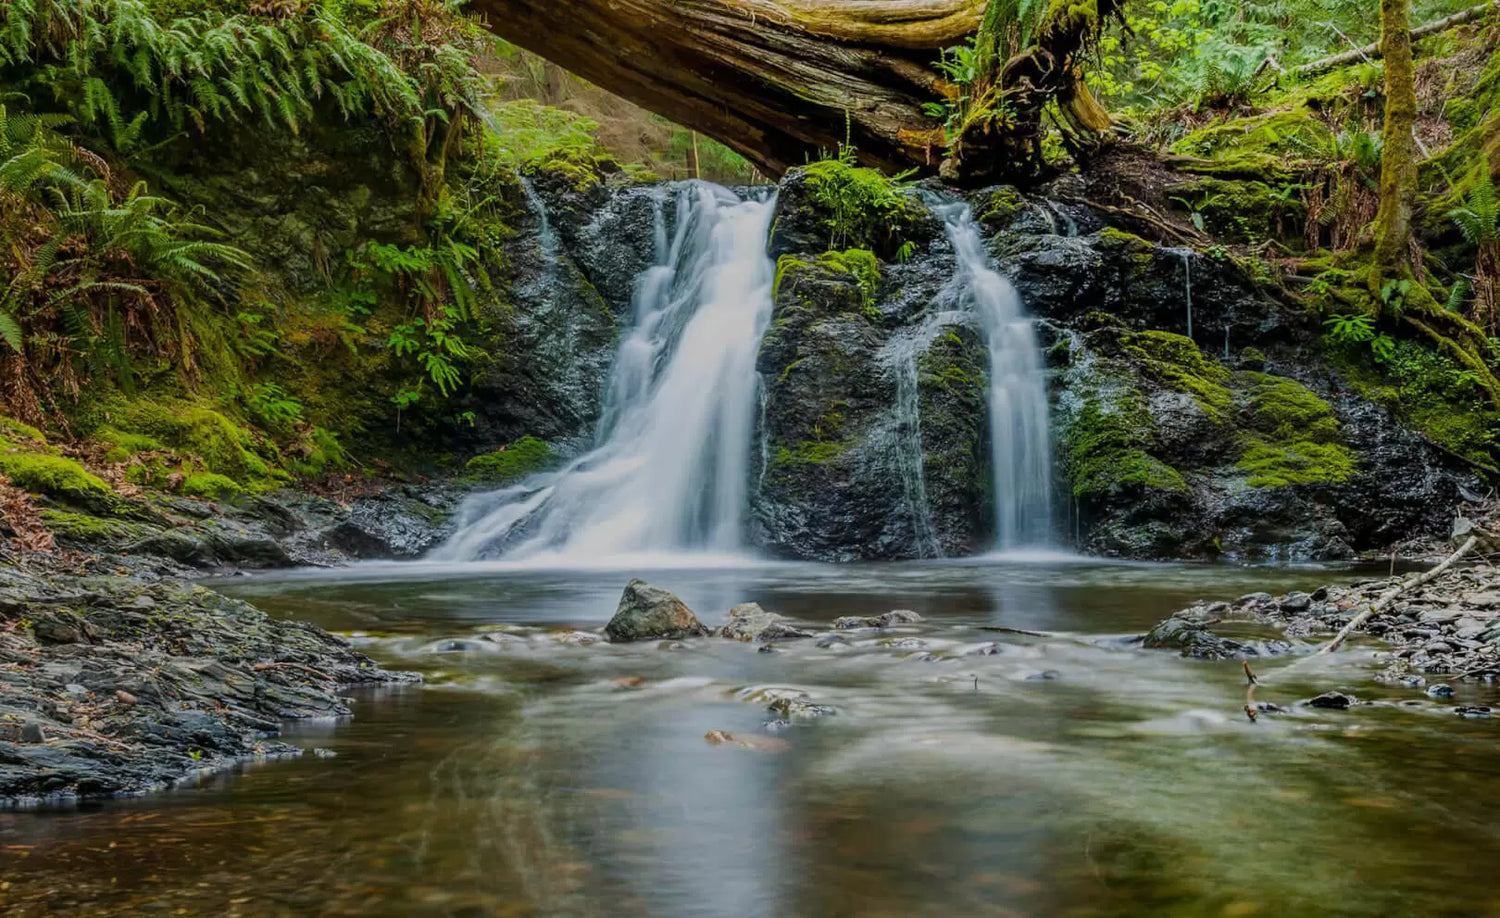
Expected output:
{"points": [[195, 430], [862, 265], [526, 131], [858, 207], [526, 456], [1479, 217], [808, 452]]}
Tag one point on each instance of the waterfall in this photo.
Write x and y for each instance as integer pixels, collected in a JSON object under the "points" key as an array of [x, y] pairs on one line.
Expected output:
{"points": [[670, 466], [1187, 283], [1020, 448], [904, 437]]}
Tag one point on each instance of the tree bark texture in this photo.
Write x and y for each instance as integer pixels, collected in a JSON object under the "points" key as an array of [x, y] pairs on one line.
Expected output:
{"points": [[1398, 163], [780, 81]]}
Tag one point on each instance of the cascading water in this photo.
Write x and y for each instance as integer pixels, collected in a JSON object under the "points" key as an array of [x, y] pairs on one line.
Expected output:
{"points": [[670, 465], [1020, 441]]}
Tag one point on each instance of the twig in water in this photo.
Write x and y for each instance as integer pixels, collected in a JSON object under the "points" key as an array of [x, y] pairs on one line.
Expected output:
{"points": [[1004, 630], [1249, 676]]}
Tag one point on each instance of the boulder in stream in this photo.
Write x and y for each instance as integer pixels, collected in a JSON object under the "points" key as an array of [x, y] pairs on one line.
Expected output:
{"points": [[749, 622], [649, 612]]}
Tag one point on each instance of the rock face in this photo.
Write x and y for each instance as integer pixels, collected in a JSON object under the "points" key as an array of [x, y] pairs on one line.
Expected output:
{"points": [[115, 686], [648, 612], [1192, 414], [874, 430]]}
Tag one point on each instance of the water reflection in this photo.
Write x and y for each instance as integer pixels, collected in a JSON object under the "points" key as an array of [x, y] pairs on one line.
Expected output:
{"points": [[538, 779]]}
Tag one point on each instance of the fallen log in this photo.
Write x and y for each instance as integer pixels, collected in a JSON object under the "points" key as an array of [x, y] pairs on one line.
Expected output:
{"points": [[1389, 596], [1372, 52]]}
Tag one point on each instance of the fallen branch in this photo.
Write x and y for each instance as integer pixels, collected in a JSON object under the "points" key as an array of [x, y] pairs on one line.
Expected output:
{"points": [[1390, 595], [1004, 630], [1372, 52]]}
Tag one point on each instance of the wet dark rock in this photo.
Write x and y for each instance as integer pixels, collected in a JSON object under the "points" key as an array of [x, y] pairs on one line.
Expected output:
{"points": [[152, 684], [648, 612], [749, 622], [1194, 639], [1441, 690], [1472, 711], [1048, 675], [1333, 701]]}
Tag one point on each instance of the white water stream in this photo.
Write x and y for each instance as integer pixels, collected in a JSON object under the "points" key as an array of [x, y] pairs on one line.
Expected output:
{"points": [[670, 468], [1021, 453]]}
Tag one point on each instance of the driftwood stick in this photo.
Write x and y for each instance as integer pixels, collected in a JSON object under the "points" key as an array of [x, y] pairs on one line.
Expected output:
{"points": [[1390, 595]]}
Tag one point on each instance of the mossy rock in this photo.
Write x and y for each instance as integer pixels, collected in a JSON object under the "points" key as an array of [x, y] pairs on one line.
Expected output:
{"points": [[81, 530], [525, 456], [124, 446], [1104, 451], [1270, 466], [53, 476], [1291, 435], [808, 452], [211, 486], [1176, 362], [578, 169], [193, 429], [998, 209], [859, 207]]}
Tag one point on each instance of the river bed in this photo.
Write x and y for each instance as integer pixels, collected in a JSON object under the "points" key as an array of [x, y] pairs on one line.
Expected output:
{"points": [[954, 770]]}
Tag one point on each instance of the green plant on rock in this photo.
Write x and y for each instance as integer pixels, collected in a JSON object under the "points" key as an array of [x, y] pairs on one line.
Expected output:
{"points": [[857, 206], [51, 475], [1479, 222]]}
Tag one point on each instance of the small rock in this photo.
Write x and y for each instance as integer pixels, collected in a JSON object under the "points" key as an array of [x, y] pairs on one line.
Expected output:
{"points": [[629, 682], [1048, 675], [1475, 710], [76, 690], [1439, 647], [1441, 690], [1334, 701], [33, 733], [760, 743], [749, 622], [1296, 602], [767, 648], [988, 650], [1414, 681], [124, 697], [1252, 599], [894, 617], [322, 753], [648, 612]]}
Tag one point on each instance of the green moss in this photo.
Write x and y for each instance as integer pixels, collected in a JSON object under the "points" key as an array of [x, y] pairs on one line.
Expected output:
{"points": [[15, 430], [1270, 466], [1000, 208], [1427, 391], [580, 167], [83, 529], [1177, 363], [859, 207], [1291, 133], [1290, 435], [122, 446], [1242, 211], [209, 485], [809, 452], [526, 456], [191, 428], [863, 266], [51, 475], [785, 265], [1104, 451]]}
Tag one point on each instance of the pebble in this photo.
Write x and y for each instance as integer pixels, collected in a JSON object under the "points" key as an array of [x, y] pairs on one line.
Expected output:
{"points": [[1296, 602], [1472, 711], [1048, 675], [1441, 690]]}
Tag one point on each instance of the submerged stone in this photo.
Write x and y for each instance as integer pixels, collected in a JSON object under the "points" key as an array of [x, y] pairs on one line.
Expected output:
{"points": [[749, 622]]}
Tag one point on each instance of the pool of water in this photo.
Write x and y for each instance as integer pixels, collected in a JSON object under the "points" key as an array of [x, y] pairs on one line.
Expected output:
{"points": [[1065, 772]]}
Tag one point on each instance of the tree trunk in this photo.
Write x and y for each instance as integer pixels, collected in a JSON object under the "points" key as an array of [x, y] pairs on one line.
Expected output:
{"points": [[1398, 163], [781, 81]]}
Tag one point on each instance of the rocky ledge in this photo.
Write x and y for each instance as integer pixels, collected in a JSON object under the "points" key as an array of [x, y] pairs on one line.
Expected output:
{"points": [[114, 685]]}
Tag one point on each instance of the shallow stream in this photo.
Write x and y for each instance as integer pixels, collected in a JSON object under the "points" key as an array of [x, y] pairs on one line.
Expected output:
{"points": [[962, 771]]}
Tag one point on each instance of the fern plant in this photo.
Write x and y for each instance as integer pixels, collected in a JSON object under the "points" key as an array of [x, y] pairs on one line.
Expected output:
{"points": [[1478, 220]]}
